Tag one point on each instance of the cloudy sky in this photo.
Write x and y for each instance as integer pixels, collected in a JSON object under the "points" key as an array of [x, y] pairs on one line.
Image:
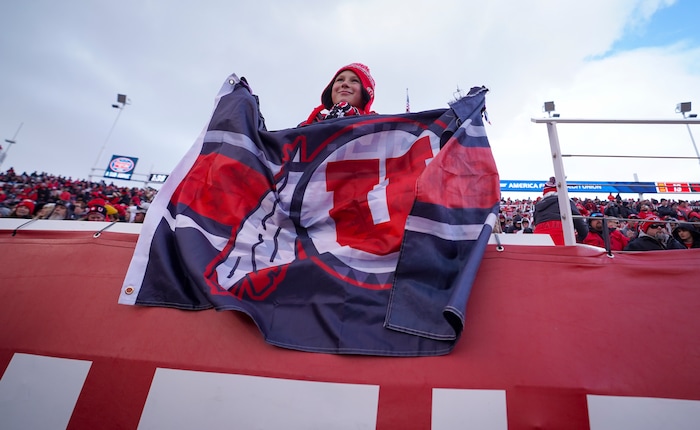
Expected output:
{"points": [[62, 65]]}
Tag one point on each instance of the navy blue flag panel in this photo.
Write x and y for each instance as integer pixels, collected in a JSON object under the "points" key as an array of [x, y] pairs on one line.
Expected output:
{"points": [[356, 235]]}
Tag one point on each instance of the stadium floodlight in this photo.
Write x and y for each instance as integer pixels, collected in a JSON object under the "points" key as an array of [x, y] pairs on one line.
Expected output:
{"points": [[549, 108], [683, 108], [122, 101]]}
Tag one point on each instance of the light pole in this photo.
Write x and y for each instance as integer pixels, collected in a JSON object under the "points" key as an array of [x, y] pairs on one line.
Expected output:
{"points": [[122, 101], [684, 108], [10, 143]]}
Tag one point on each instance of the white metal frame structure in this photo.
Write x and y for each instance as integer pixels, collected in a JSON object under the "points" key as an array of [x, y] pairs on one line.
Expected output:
{"points": [[562, 188]]}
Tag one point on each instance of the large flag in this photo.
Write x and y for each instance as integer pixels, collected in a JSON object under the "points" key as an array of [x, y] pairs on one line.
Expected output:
{"points": [[356, 235]]}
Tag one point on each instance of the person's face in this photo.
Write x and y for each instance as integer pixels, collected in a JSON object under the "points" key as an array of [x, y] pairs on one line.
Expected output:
{"points": [[597, 224], [656, 230], [95, 216], [347, 87], [22, 211], [684, 234], [60, 211], [138, 217]]}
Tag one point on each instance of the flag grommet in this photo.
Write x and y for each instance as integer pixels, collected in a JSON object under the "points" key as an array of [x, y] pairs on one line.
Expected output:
{"points": [[129, 290]]}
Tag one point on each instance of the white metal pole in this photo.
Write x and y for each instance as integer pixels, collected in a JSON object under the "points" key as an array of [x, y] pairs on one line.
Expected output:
{"points": [[562, 188], [692, 139]]}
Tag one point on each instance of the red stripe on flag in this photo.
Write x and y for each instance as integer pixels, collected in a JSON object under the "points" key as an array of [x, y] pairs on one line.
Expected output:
{"points": [[219, 182], [460, 177]]}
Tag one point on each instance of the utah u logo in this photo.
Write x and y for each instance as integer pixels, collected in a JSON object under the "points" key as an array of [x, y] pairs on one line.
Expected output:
{"points": [[373, 197]]}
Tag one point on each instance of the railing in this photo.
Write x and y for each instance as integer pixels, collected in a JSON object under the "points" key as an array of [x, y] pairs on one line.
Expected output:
{"points": [[562, 188]]}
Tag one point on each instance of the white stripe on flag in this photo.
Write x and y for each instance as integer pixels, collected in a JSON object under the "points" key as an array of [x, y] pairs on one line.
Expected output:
{"points": [[443, 230]]}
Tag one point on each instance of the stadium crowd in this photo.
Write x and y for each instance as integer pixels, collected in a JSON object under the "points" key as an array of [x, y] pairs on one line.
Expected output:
{"points": [[612, 221], [47, 196]]}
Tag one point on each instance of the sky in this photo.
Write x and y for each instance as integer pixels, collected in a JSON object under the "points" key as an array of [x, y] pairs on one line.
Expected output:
{"points": [[62, 65]]}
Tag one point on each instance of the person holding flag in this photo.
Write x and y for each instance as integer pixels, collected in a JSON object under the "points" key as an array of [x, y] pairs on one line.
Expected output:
{"points": [[350, 92]]}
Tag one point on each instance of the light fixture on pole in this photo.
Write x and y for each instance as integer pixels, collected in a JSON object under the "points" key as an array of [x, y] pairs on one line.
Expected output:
{"points": [[684, 109], [10, 142], [122, 101], [549, 108]]}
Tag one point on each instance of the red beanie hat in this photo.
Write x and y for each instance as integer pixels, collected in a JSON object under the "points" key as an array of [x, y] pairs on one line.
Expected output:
{"points": [[647, 222], [97, 205], [366, 79], [29, 204], [550, 186]]}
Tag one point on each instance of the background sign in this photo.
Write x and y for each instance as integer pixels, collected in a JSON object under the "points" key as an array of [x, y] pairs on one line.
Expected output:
{"points": [[606, 187], [121, 167], [158, 178]]}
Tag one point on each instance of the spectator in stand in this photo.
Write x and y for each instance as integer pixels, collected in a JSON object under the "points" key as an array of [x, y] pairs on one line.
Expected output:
{"points": [[676, 211], [616, 234], [683, 210], [687, 235], [612, 209], [581, 208], [45, 211], [96, 210], [625, 210], [518, 216], [23, 209], [653, 237], [501, 224], [645, 211], [547, 216], [496, 227], [79, 210], [596, 234], [631, 227], [112, 213], [526, 226], [61, 211], [671, 224], [664, 210], [517, 226], [508, 226], [140, 213]]}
